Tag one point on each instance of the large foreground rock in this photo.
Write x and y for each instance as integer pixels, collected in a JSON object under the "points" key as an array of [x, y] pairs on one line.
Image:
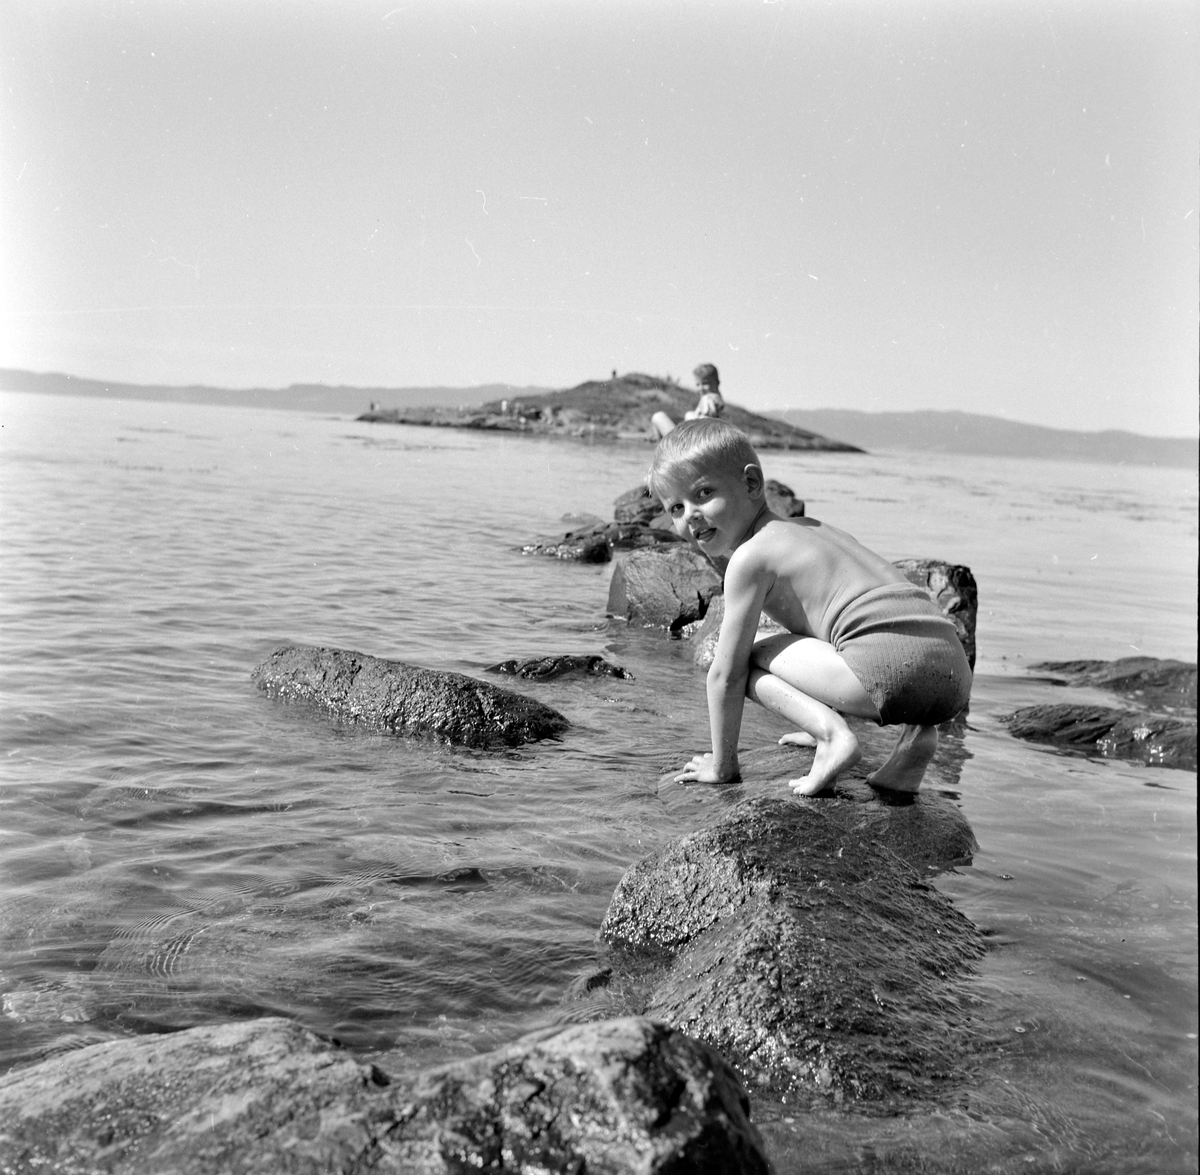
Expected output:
{"points": [[405, 699], [805, 949], [1157, 740], [617, 1096], [667, 588]]}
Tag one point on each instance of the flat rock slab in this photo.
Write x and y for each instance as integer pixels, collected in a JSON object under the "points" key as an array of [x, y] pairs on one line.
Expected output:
{"points": [[547, 668], [1157, 684], [611, 1097], [406, 699], [927, 830], [666, 588], [796, 942], [1154, 739]]}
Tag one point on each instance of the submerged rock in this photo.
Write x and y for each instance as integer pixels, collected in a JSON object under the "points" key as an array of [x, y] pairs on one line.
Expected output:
{"points": [[667, 588], [611, 1097], [1157, 684], [1154, 739], [545, 668], [406, 699], [806, 950]]}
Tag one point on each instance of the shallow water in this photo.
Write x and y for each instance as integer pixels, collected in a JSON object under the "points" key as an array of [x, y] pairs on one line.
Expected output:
{"points": [[178, 848]]}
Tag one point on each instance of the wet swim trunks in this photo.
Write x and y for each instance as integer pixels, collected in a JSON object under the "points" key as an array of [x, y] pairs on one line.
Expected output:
{"points": [[905, 653]]}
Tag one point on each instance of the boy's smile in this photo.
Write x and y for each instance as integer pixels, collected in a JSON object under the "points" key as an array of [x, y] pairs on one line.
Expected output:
{"points": [[715, 509]]}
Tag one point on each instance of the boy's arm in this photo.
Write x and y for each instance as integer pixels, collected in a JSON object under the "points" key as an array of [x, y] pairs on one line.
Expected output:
{"points": [[746, 585]]}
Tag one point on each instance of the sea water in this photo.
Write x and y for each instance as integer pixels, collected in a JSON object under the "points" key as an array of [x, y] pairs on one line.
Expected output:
{"points": [[179, 849]]}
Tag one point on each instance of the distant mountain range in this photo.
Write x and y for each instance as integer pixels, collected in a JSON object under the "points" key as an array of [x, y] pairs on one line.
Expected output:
{"points": [[968, 432], [297, 398], [942, 432]]}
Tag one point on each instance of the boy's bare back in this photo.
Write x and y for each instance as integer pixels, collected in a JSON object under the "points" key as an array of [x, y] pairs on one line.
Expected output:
{"points": [[810, 571]]}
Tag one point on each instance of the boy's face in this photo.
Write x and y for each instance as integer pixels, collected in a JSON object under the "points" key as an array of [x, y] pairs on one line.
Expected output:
{"points": [[714, 508]]}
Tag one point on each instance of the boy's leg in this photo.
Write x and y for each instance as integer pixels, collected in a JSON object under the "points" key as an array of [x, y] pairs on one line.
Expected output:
{"points": [[806, 681], [837, 748], [906, 765]]}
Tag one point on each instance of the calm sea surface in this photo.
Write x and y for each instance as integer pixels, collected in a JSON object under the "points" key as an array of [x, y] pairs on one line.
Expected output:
{"points": [[178, 849]]}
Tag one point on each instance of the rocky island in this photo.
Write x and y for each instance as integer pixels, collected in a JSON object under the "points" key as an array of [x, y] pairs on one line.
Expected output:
{"points": [[617, 409]]}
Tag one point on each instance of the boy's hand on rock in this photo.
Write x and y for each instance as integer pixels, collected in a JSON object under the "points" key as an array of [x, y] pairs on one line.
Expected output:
{"points": [[700, 770]]}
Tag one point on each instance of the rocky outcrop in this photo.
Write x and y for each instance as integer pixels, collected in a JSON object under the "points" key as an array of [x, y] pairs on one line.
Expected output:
{"points": [[639, 523], [617, 409], [1154, 739], [546, 668], [596, 543], [792, 937], [667, 588], [953, 588], [1161, 732], [612, 1097], [1169, 686], [406, 699]]}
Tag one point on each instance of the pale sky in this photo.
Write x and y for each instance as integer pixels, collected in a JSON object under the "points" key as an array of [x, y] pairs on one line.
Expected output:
{"points": [[982, 206]]}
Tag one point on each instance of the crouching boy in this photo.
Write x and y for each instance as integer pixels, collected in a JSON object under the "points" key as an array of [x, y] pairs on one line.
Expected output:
{"points": [[861, 639]]}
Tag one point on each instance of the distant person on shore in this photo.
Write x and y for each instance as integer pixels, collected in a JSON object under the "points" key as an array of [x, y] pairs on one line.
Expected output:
{"points": [[710, 404], [861, 639]]}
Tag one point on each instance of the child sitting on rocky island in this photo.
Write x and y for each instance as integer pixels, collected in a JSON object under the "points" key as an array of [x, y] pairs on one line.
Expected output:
{"points": [[861, 639]]}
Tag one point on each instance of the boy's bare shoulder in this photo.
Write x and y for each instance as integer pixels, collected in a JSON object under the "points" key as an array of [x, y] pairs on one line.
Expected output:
{"points": [[779, 542], [785, 536]]}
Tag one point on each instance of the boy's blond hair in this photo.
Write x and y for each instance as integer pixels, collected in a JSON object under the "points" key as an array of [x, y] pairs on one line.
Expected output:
{"points": [[696, 445]]}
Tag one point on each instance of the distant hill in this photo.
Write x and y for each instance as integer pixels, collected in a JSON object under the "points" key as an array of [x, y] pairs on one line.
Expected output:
{"points": [[966, 432], [297, 398]]}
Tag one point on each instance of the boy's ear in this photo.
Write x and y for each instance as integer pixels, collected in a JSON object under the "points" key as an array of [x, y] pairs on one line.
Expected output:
{"points": [[752, 475]]}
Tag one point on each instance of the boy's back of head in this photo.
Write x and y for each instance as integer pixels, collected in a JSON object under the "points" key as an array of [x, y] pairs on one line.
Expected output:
{"points": [[698, 445]]}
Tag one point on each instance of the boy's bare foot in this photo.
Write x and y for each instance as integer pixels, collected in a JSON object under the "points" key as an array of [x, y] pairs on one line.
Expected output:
{"points": [[799, 738], [833, 756], [905, 767]]}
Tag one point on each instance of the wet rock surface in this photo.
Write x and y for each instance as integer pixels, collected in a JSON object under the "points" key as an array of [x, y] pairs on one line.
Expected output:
{"points": [[621, 1095], [1160, 732], [1157, 684], [546, 668], [406, 699], [596, 543], [799, 938], [1157, 740], [667, 588]]}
